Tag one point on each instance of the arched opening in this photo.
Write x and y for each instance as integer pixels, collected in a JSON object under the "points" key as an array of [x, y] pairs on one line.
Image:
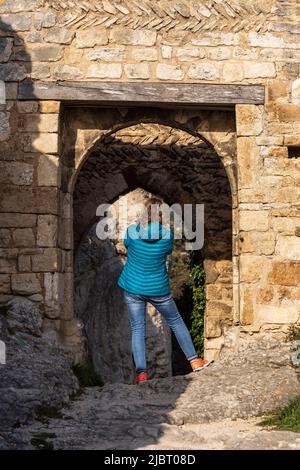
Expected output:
{"points": [[132, 162]]}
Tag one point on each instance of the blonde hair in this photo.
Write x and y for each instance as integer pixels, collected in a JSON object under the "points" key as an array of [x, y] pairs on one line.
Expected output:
{"points": [[152, 211]]}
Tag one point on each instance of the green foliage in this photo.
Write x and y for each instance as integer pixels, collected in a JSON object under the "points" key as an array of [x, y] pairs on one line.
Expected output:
{"points": [[86, 375], [197, 314], [187, 279], [286, 419], [294, 333]]}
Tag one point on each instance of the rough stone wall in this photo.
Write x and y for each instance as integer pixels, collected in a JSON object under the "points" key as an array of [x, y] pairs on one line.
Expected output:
{"points": [[203, 42]]}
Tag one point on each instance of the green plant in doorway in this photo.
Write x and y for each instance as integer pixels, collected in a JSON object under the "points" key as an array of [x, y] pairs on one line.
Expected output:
{"points": [[197, 314]]}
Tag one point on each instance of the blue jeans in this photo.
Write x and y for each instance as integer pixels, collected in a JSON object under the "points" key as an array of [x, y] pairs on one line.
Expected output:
{"points": [[165, 304]]}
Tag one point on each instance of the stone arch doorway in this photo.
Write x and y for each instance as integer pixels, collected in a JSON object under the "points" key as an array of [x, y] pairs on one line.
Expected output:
{"points": [[123, 156], [125, 150]]}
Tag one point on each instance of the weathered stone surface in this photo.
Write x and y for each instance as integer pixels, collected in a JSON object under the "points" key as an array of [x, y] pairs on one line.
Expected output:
{"points": [[47, 231], [37, 200], [284, 273], [2, 92], [46, 53], [59, 36], [54, 295], [49, 107], [137, 71], [40, 122], [233, 72], [259, 70], [17, 173], [144, 53], [17, 220], [277, 314], [291, 140], [169, 72], [219, 53], [288, 247], [8, 260], [249, 119], [40, 71], [24, 284], [48, 171], [213, 328], [48, 261], [108, 54], [67, 72], [24, 263], [262, 243], [73, 56], [219, 38], [166, 52], [13, 6], [254, 220], [133, 37], [270, 40], [288, 112], [286, 224], [27, 107], [12, 72], [5, 283], [104, 71], [248, 161], [188, 53], [91, 37], [29, 375], [23, 237], [250, 268], [296, 91], [45, 19], [246, 305], [5, 238], [6, 45], [44, 143], [203, 71], [16, 22], [4, 126]]}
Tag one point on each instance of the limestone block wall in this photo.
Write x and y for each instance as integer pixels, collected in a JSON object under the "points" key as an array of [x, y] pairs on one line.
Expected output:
{"points": [[234, 41]]}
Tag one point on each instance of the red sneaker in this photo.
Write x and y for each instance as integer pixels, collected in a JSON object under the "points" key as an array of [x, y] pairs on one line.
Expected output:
{"points": [[141, 377], [199, 364]]}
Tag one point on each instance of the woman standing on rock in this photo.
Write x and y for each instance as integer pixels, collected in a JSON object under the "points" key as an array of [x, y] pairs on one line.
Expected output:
{"points": [[144, 278]]}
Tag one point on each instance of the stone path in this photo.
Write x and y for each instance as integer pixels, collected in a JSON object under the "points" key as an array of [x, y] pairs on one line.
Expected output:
{"points": [[216, 408]]}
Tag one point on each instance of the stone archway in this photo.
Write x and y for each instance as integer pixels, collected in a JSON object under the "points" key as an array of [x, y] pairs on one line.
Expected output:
{"points": [[82, 130]]}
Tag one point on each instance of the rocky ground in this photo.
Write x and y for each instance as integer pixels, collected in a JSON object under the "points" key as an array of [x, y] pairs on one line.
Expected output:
{"points": [[213, 409], [37, 374], [216, 408]]}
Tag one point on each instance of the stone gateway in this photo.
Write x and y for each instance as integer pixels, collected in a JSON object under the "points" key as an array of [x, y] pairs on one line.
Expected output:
{"points": [[197, 102]]}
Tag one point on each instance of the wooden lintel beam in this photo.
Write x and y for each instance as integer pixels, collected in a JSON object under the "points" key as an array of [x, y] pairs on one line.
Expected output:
{"points": [[183, 94]]}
